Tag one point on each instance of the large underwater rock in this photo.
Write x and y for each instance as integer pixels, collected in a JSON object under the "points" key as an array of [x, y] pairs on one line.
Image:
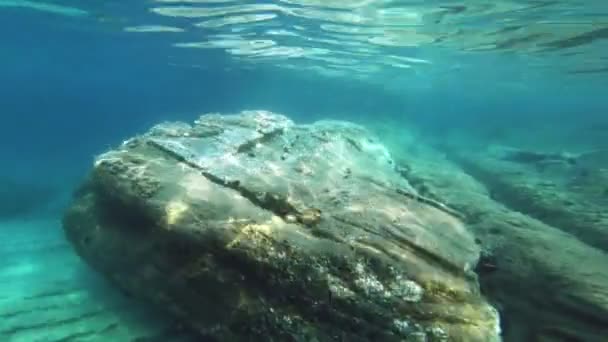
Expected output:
{"points": [[547, 278], [250, 227]]}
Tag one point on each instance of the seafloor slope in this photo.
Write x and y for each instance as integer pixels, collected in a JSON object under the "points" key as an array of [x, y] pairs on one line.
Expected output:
{"points": [[541, 220], [48, 294]]}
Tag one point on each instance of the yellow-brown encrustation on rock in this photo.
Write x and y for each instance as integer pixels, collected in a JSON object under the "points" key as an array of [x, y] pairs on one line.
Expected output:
{"points": [[216, 223]]}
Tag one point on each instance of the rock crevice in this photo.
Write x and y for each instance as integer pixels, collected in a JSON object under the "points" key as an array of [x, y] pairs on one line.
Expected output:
{"points": [[250, 225]]}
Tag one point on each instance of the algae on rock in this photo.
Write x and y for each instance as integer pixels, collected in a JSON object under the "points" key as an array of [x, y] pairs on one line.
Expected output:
{"points": [[250, 226]]}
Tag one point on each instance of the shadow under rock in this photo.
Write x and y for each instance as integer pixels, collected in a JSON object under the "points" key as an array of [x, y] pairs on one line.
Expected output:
{"points": [[157, 325]]}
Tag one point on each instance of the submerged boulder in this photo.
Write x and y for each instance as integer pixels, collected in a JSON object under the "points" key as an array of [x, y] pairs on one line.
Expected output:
{"points": [[249, 227]]}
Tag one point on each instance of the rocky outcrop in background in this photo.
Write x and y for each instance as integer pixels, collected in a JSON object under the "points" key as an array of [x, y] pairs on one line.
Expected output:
{"points": [[540, 219]]}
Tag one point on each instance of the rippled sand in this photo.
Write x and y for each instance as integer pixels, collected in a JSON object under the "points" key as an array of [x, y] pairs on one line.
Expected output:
{"points": [[48, 294]]}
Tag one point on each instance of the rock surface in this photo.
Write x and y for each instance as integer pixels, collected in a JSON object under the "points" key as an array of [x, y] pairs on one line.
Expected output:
{"points": [[569, 192], [547, 278], [251, 227]]}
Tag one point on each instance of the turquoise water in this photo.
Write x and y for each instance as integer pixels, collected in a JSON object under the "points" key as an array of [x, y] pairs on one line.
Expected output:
{"points": [[467, 79]]}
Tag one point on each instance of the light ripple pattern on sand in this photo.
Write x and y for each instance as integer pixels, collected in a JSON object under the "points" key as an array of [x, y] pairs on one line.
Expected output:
{"points": [[48, 294]]}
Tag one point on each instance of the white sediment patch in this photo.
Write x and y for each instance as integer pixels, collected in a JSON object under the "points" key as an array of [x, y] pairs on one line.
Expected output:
{"points": [[368, 282]]}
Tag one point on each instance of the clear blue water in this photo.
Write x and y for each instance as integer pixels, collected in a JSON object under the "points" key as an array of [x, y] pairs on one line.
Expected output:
{"points": [[79, 77]]}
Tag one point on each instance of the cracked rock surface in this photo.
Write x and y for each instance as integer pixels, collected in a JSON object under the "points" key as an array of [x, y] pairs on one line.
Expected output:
{"points": [[249, 226]]}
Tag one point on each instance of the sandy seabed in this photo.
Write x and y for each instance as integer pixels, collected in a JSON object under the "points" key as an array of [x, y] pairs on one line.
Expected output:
{"points": [[47, 293]]}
